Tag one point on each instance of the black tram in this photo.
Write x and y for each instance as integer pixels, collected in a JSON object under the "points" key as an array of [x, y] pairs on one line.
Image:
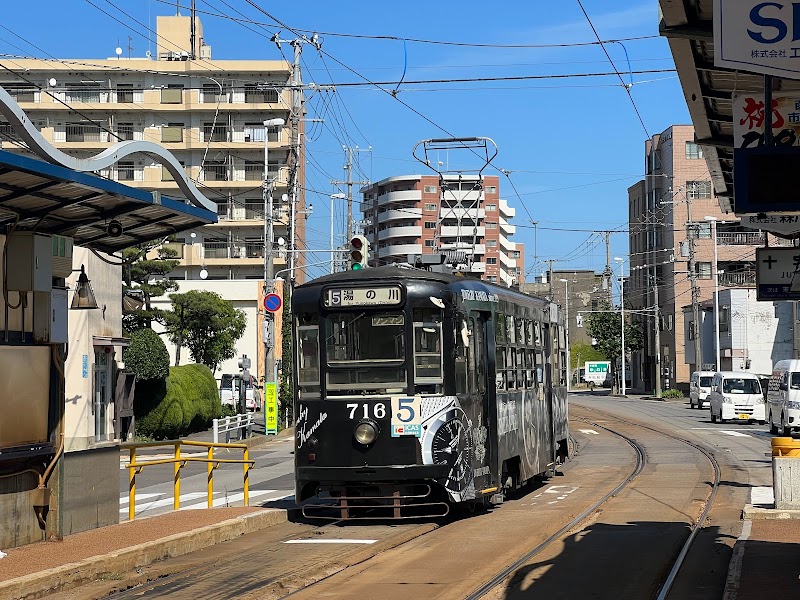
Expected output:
{"points": [[416, 390]]}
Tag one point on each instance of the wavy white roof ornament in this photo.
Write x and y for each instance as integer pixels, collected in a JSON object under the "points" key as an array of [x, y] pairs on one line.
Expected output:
{"points": [[119, 151]]}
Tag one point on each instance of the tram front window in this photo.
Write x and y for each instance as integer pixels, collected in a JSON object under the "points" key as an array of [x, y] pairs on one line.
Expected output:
{"points": [[366, 351]]}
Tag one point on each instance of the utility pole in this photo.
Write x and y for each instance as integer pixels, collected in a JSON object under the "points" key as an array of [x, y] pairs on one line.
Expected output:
{"points": [[657, 330], [693, 231], [550, 277], [348, 167], [608, 273], [192, 31]]}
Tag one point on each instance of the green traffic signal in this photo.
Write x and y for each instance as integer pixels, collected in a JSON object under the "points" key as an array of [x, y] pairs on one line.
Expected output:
{"points": [[357, 267]]}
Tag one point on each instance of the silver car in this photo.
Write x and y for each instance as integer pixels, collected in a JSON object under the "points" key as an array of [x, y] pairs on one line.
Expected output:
{"points": [[700, 388]]}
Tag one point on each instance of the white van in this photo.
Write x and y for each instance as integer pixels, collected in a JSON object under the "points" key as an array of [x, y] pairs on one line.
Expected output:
{"points": [[700, 388], [783, 397], [229, 392], [736, 395]]}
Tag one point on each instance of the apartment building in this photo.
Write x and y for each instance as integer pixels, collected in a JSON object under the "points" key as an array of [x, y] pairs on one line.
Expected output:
{"points": [[209, 113], [667, 217], [416, 214]]}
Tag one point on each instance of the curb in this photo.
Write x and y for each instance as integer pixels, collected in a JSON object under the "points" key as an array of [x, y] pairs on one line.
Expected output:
{"points": [[38, 585], [758, 513], [735, 565]]}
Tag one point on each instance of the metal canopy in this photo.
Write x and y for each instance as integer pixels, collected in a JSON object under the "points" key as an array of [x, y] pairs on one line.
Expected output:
{"points": [[688, 25], [52, 199]]}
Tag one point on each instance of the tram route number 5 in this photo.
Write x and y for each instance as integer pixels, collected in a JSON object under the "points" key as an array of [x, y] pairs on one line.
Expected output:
{"points": [[406, 419]]}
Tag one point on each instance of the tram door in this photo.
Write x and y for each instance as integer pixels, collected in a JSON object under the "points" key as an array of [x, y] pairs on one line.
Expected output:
{"points": [[485, 458], [551, 371]]}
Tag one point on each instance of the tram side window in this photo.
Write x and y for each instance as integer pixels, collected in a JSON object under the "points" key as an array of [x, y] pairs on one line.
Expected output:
{"points": [[537, 333], [510, 338], [428, 348], [529, 367], [529, 327], [511, 361], [308, 354], [520, 331], [539, 368], [477, 352], [500, 330], [500, 367]]}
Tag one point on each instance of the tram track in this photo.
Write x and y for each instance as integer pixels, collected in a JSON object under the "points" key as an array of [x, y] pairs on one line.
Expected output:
{"points": [[641, 461]]}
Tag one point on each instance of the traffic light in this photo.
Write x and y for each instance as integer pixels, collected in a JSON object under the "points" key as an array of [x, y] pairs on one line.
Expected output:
{"points": [[359, 252]]}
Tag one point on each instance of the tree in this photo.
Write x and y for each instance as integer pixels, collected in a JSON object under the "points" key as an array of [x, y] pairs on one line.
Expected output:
{"points": [[604, 326], [207, 324], [580, 352], [147, 356], [144, 268]]}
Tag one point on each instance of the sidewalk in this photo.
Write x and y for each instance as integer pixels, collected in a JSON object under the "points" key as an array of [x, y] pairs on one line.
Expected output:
{"points": [[766, 555]]}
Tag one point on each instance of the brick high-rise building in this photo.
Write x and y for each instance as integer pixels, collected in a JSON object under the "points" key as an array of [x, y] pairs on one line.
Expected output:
{"points": [[412, 214]]}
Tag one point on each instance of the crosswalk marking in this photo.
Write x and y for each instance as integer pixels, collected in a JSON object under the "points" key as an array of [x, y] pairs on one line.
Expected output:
{"points": [[589, 431], [330, 541], [221, 500], [731, 432]]}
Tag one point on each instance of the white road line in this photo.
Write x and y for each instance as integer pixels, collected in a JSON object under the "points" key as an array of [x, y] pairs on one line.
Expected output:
{"points": [[329, 541], [140, 508], [221, 500], [588, 431], [139, 497], [731, 432], [232, 498]]}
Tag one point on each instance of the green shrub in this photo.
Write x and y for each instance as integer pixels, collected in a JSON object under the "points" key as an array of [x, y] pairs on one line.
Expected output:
{"points": [[147, 356], [671, 394], [186, 401]]}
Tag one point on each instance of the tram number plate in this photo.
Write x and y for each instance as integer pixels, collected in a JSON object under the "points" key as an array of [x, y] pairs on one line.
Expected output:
{"points": [[743, 416], [390, 295], [406, 417]]}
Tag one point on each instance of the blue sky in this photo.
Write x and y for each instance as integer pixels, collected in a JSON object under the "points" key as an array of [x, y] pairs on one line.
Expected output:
{"points": [[572, 145]]}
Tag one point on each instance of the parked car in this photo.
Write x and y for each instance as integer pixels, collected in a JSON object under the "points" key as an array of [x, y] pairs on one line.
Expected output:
{"points": [[783, 397], [229, 392], [700, 388], [736, 395]]}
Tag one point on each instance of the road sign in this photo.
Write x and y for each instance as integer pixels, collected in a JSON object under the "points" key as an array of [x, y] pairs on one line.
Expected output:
{"points": [[271, 407], [272, 303], [777, 274]]}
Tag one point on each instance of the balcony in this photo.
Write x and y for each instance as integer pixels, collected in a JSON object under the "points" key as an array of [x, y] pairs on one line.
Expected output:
{"points": [[740, 279], [401, 213], [215, 133], [740, 238], [239, 251], [403, 196], [85, 133], [255, 172], [464, 232], [215, 173], [400, 250], [257, 96], [84, 96], [393, 232]]}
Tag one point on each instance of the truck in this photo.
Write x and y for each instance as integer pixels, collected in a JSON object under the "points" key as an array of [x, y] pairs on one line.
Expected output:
{"points": [[597, 373]]}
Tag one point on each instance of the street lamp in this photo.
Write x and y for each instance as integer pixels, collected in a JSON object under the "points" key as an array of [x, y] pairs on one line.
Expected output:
{"points": [[337, 196], [714, 268], [566, 307], [621, 262]]}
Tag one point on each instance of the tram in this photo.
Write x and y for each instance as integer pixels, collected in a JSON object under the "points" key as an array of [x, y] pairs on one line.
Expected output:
{"points": [[415, 391]]}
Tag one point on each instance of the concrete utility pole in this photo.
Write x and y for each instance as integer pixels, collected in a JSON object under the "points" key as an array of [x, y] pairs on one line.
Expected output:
{"points": [[348, 167], [657, 330], [550, 277], [693, 232]]}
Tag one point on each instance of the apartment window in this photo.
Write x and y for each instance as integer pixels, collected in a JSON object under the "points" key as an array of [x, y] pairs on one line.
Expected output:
{"points": [[173, 132], [215, 132], [166, 175], [254, 132], [430, 207], [700, 231], [491, 189], [698, 190], [703, 270], [125, 92], [125, 171], [491, 225], [125, 130], [430, 189], [430, 243], [491, 243], [83, 93], [513, 254], [430, 224], [20, 92], [254, 95], [172, 94], [693, 150], [491, 260], [491, 278], [491, 207], [212, 93]]}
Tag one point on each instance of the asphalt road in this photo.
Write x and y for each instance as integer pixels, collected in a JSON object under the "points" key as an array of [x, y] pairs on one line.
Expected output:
{"points": [[624, 549]]}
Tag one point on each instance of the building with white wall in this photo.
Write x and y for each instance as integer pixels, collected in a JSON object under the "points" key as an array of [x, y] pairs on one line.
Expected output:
{"points": [[753, 335]]}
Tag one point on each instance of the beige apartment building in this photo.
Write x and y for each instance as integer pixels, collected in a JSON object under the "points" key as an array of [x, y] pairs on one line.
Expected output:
{"points": [[665, 210], [210, 114], [411, 214]]}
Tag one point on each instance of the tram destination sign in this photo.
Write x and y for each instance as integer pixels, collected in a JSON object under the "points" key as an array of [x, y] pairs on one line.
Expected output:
{"points": [[372, 296]]}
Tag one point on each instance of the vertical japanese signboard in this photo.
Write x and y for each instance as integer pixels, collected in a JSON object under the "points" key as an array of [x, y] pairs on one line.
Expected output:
{"points": [[271, 407]]}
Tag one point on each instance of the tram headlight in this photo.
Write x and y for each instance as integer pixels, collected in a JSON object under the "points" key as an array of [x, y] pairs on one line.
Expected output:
{"points": [[366, 432]]}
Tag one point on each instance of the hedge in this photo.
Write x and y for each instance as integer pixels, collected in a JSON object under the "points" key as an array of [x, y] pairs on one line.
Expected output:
{"points": [[185, 402], [147, 355]]}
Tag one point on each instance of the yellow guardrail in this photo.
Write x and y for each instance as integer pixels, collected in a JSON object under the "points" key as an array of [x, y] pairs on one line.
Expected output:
{"points": [[179, 461], [785, 447]]}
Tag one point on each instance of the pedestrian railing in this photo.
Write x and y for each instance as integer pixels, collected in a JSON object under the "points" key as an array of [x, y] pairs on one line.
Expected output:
{"points": [[228, 425], [179, 461]]}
